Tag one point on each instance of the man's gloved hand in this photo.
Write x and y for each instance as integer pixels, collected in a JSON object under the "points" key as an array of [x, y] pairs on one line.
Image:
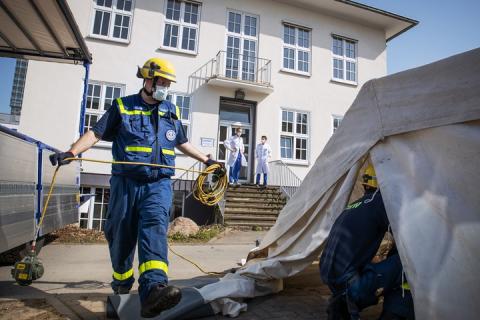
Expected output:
{"points": [[220, 172], [59, 158]]}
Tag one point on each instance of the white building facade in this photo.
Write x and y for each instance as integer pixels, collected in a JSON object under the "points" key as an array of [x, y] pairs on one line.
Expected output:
{"points": [[285, 69]]}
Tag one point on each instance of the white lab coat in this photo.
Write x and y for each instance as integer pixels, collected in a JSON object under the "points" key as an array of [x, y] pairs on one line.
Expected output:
{"points": [[235, 143], [262, 153]]}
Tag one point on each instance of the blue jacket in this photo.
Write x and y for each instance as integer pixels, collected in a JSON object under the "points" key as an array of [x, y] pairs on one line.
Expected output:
{"points": [[142, 133], [354, 238]]}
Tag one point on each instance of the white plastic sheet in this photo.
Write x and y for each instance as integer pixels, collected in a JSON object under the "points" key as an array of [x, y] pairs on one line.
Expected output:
{"points": [[419, 128]]}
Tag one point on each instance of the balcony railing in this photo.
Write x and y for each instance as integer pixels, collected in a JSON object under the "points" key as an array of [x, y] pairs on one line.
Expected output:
{"points": [[231, 66], [281, 175]]}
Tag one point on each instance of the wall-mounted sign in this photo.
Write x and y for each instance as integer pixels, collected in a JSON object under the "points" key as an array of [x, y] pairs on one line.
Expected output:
{"points": [[207, 142]]}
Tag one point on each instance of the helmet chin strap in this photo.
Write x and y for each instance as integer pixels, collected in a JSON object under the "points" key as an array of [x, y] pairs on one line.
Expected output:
{"points": [[154, 86]]}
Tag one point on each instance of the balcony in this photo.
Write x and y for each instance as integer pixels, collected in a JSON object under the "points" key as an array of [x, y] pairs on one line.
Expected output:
{"points": [[236, 71]]}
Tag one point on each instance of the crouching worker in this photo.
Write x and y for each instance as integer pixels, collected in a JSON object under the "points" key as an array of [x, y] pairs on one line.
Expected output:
{"points": [[346, 267], [143, 127]]}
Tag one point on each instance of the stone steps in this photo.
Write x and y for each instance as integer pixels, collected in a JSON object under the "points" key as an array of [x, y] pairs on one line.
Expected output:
{"points": [[250, 224], [255, 205], [256, 200], [250, 206], [259, 211], [249, 217]]}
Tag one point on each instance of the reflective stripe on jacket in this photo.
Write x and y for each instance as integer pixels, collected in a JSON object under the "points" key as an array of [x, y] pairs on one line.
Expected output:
{"points": [[139, 139]]}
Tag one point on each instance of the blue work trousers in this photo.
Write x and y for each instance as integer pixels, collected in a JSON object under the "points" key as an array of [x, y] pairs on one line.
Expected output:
{"points": [[235, 169], [387, 275], [264, 179], [138, 211]]}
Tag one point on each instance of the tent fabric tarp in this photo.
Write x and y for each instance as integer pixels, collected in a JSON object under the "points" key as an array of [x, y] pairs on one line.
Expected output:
{"points": [[421, 130]]}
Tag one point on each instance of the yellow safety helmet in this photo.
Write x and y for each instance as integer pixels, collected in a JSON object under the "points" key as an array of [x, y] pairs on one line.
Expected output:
{"points": [[157, 67], [369, 177]]}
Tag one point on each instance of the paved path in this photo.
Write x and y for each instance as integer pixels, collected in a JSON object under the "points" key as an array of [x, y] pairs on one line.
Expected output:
{"points": [[76, 282]]}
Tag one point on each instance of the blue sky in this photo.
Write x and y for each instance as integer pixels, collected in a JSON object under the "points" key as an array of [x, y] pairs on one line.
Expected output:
{"points": [[446, 28]]}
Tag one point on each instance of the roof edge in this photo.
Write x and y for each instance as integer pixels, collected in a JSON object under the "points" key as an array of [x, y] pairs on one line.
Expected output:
{"points": [[412, 22]]}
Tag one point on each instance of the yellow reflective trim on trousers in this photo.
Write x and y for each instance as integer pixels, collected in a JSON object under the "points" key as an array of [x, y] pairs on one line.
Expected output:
{"points": [[405, 286], [153, 265], [138, 149], [131, 112], [123, 276], [168, 151]]}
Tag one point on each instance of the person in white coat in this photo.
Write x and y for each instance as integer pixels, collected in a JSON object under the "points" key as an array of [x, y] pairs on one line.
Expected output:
{"points": [[263, 152], [236, 159]]}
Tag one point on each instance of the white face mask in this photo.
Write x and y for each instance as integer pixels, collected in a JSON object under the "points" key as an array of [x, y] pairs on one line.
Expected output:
{"points": [[160, 93]]}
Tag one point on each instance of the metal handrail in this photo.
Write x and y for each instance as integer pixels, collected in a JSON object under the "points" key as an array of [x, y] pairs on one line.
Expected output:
{"points": [[189, 176], [235, 66], [281, 175]]}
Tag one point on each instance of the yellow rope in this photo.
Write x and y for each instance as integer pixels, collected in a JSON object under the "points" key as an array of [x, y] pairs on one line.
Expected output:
{"points": [[207, 194], [209, 197], [195, 264]]}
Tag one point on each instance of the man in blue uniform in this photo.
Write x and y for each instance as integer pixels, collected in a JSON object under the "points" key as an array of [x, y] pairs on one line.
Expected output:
{"points": [[345, 263], [143, 127]]}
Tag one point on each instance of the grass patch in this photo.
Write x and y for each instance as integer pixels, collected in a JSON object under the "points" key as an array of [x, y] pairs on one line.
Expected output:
{"points": [[205, 234], [73, 234]]}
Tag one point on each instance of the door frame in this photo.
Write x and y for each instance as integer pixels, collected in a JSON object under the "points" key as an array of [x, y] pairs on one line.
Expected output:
{"points": [[252, 105]]}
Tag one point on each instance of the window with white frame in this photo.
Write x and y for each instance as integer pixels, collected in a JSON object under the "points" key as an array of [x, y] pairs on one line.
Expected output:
{"points": [[344, 59], [294, 135], [336, 122], [100, 97], [182, 101], [96, 215], [242, 44], [296, 48], [112, 19], [182, 20], [83, 218]]}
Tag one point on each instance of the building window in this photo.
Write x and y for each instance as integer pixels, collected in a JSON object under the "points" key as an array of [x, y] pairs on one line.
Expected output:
{"points": [[182, 20], [344, 59], [85, 192], [296, 48], [336, 122], [96, 215], [112, 19], [100, 97], [294, 136], [242, 44], [183, 103], [18, 87]]}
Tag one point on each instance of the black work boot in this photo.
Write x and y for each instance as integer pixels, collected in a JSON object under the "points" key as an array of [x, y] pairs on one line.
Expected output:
{"points": [[160, 298]]}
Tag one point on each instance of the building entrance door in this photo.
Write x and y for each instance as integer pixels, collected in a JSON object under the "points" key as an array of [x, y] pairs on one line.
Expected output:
{"points": [[236, 115]]}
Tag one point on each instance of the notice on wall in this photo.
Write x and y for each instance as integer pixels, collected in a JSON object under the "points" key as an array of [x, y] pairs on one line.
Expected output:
{"points": [[207, 142]]}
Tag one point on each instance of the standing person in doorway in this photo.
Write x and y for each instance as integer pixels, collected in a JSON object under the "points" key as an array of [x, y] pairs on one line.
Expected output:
{"points": [[263, 152], [236, 159], [143, 127]]}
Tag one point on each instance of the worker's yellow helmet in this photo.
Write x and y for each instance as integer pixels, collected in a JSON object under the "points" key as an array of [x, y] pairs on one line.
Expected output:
{"points": [[369, 177], [157, 67]]}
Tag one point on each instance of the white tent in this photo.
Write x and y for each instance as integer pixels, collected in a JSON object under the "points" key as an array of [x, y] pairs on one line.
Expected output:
{"points": [[421, 129]]}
